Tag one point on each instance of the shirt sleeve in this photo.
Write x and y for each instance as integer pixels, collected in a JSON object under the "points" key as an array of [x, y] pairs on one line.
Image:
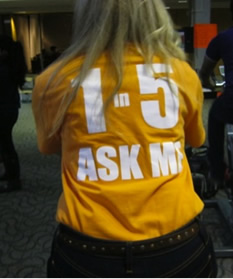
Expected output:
{"points": [[45, 106]]}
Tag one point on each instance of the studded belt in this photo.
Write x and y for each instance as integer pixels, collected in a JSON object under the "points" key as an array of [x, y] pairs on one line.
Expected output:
{"points": [[86, 243]]}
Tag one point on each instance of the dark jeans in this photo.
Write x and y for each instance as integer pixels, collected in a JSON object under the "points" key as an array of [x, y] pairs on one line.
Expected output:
{"points": [[9, 155], [221, 113], [193, 257]]}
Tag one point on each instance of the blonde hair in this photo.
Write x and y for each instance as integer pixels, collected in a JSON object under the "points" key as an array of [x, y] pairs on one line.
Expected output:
{"points": [[107, 26]]}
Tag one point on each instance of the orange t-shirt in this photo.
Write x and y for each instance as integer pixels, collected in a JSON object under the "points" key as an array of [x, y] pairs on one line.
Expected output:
{"points": [[125, 174]]}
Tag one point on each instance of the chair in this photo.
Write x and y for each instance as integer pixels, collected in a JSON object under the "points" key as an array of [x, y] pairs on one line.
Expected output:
{"points": [[25, 92]]}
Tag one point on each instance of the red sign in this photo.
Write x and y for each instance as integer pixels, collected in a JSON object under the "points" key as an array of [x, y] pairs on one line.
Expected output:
{"points": [[203, 34]]}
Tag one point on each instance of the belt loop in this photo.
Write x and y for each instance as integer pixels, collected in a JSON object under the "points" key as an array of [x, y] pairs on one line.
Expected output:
{"points": [[129, 258]]}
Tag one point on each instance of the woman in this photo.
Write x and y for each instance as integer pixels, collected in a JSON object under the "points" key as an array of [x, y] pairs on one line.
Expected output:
{"points": [[120, 105], [12, 73]]}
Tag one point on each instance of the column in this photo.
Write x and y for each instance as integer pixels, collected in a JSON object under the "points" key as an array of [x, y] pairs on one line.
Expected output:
{"points": [[200, 13]]}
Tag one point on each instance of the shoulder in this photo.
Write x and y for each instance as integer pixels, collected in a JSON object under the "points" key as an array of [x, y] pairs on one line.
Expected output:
{"points": [[220, 39], [184, 70], [62, 68], [59, 71], [45, 75], [227, 32]]}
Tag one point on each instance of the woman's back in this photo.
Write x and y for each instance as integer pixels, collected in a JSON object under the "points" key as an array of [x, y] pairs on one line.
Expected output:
{"points": [[123, 163]]}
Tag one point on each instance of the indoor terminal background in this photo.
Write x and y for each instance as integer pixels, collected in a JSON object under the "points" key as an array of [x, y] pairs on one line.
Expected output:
{"points": [[27, 219]]}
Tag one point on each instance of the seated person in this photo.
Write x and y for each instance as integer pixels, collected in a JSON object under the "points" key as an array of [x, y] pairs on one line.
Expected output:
{"points": [[221, 111]]}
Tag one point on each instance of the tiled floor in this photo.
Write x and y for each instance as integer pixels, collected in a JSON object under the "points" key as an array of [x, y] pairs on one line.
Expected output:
{"points": [[27, 219]]}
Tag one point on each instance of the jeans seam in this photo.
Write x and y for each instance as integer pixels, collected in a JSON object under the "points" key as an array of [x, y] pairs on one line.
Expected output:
{"points": [[210, 274], [187, 262], [129, 259], [200, 271]]}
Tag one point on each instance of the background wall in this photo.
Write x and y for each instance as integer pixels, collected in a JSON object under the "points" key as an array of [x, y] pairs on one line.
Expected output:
{"points": [[181, 18], [222, 17], [56, 30], [38, 32]]}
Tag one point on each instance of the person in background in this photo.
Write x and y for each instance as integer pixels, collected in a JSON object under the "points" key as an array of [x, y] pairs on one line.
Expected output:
{"points": [[221, 111], [53, 54], [12, 73], [120, 105]]}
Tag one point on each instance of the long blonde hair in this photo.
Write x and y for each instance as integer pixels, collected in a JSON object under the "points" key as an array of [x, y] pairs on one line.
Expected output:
{"points": [[107, 26]]}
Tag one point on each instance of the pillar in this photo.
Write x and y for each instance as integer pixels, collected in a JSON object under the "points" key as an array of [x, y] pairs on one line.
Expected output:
{"points": [[200, 13]]}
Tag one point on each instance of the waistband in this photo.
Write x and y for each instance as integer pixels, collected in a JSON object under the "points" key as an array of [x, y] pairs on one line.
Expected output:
{"points": [[90, 244]]}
